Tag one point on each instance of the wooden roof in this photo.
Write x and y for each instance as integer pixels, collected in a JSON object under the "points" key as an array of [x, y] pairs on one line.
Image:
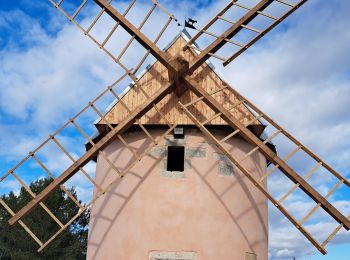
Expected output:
{"points": [[156, 75]]}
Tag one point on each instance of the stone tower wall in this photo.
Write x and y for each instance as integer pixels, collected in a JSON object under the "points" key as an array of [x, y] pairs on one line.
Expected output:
{"points": [[209, 211]]}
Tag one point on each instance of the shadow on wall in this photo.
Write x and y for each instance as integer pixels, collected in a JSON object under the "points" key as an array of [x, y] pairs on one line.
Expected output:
{"points": [[124, 196]]}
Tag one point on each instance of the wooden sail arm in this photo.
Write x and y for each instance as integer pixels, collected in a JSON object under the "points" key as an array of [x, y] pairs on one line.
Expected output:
{"points": [[266, 151], [236, 27], [257, 184], [228, 34], [163, 57], [83, 160], [262, 33]]}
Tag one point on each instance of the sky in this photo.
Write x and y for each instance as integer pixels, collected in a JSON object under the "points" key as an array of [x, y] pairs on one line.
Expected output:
{"points": [[299, 74]]}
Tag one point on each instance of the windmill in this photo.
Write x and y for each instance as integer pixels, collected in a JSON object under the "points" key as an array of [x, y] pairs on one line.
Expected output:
{"points": [[179, 153]]}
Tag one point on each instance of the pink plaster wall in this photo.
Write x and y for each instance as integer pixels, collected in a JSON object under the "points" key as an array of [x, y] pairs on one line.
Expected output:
{"points": [[216, 216]]}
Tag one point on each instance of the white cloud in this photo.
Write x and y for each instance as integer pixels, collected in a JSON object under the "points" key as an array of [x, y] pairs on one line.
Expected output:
{"points": [[9, 185], [285, 253]]}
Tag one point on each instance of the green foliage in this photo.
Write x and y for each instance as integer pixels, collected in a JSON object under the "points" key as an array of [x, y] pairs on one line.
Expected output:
{"points": [[15, 243]]}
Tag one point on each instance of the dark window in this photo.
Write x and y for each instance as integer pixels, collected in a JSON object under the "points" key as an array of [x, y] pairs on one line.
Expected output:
{"points": [[176, 158]]}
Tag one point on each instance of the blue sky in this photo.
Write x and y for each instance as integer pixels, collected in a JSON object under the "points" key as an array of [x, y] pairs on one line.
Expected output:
{"points": [[299, 74]]}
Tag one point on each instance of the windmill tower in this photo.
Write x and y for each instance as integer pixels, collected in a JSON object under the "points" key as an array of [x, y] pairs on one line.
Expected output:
{"points": [[182, 158], [186, 182]]}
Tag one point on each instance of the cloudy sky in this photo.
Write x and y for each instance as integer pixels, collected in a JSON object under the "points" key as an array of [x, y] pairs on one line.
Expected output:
{"points": [[299, 74]]}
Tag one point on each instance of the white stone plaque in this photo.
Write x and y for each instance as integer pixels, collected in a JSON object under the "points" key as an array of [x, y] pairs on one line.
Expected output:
{"points": [[156, 255]]}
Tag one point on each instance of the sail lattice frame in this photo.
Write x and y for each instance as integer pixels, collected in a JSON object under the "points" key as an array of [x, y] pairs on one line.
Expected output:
{"points": [[135, 32], [244, 25]]}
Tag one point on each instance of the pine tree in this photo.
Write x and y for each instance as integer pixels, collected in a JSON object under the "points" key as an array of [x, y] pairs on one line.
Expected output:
{"points": [[15, 243]]}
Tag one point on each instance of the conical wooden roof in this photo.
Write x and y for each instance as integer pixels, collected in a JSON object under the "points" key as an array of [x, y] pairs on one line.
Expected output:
{"points": [[156, 75]]}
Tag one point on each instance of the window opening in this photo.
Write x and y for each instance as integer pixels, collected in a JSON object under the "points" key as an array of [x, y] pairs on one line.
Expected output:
{"points": [[176, 158]]}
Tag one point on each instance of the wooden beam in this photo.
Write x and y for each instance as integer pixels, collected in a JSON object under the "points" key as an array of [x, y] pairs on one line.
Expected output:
{"points": [[234, 29], [265, 150], [163, 57], [181, 66], [89, 155]]}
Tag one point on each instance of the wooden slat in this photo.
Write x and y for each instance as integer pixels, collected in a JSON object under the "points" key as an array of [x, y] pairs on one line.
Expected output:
{"points": [[164, 10], [117, 24], [120, 101], [259, 12], [266, 151], [79, 9], [218, 36], [229, 136], [90, 179], [312, 211], [211, 54], [295, 186], [244, 26], [285, 3], [211, 118], [103, 118], [103, 143], [333, 233], [81, 131]]}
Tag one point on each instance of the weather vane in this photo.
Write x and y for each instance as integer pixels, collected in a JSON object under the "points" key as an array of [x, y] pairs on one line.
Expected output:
{"points": [[188, 23]]}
